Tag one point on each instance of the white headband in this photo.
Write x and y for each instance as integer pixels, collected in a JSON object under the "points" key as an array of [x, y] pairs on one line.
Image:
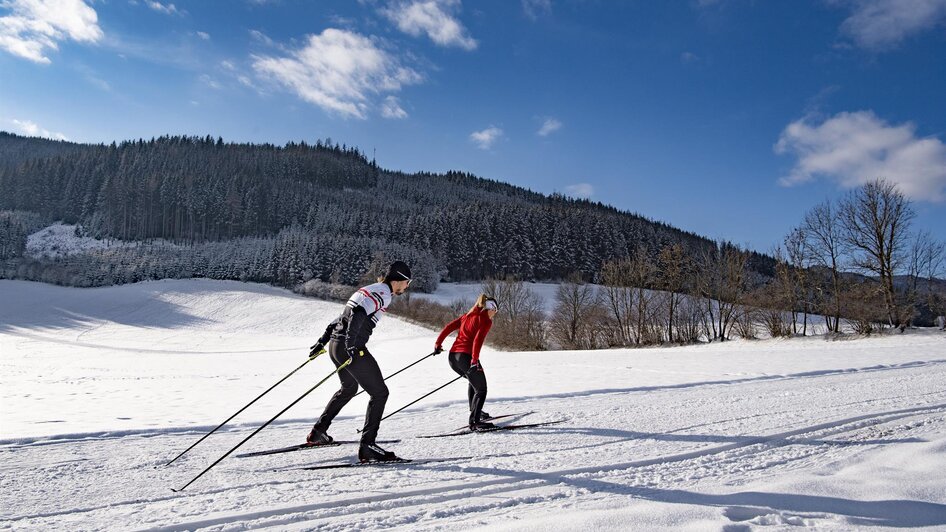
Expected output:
{"points": [[490, 305]]}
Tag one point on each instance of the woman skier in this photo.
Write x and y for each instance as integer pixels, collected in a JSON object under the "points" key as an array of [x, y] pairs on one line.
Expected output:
{"points": [[465, 354], [346, 338]]}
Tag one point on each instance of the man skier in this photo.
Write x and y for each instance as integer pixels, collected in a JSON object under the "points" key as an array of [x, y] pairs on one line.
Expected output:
{"points": [[346, 337]]}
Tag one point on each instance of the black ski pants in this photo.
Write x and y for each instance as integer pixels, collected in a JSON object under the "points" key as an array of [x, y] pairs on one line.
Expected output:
{"points": [[460, 362], [363, 371]]}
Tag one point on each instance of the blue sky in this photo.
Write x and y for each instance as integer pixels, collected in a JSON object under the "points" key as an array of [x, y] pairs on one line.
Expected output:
{"points": [[729, 118]]}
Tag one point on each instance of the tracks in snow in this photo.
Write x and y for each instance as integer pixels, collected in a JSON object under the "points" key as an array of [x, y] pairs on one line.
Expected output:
{"points": [[583, 478], [523, 476]]}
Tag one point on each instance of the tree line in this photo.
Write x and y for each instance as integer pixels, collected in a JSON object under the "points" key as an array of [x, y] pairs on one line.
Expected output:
{"points": [[853, 266], [193, 191]]}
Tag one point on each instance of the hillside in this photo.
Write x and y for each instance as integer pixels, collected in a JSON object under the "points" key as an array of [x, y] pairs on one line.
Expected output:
{"points": [[323, 211]]}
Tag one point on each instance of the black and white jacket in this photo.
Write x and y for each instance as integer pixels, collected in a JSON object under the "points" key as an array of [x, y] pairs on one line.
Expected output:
{"points": [[362, 312]]}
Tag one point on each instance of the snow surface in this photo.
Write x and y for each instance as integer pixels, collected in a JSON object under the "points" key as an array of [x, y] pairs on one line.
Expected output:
{"points": [[60, 240], [99, 388]]}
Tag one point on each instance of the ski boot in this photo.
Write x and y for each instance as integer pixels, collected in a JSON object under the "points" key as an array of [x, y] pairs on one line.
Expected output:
{"points": [[484, 416], [481, 426], [318, 437], [370, 452]]}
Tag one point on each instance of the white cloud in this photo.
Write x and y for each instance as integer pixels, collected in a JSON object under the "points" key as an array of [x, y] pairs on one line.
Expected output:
{"points": [[338, 70], [203, 35], [263, 38], [432, 17], [210, 82], [32, 129], [391, 108], [854, 148], [167, 9], [689, 57], [228, 65], [485, 139], [339, 20], [550, 126], [580, 190], [882, 24], [535, 8], [33, 26]]}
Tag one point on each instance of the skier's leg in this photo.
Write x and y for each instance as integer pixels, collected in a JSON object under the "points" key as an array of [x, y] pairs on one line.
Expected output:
{"points": [[460, 363], [366, 372], [478, 383], [344, 394], [471, 395]]}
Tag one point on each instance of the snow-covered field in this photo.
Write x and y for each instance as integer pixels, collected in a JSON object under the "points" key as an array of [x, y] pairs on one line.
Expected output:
{"points": [[100, 387]]}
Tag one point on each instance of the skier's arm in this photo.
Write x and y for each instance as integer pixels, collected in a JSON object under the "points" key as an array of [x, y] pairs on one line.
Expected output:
{"points": [[355, 324], [328, 332], [449, 328], [478, 340], [319, 346], [361, 303]]}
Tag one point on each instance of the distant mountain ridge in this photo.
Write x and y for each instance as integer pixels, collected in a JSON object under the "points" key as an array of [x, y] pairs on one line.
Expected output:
{"points": [[326, 210]]}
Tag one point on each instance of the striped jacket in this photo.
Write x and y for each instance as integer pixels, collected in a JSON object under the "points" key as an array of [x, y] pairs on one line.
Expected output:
{"points": [[362, 312]]}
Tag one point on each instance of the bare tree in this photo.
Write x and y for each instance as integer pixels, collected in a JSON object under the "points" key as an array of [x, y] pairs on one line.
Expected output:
{"points": [[775, 298], [643, 273], [927, 259], [573, 320], [520, 324], [876, 222], [822, 227], [722, 283], [797, 255], [673, 265], [863, 305], [690, 320], [617, 296], [779, 296], [630, 302]]}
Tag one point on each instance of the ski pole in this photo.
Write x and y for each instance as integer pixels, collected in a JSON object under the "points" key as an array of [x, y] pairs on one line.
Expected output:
{"points": [[255, 432], [400, 370], [242, 409], [422, 397]]}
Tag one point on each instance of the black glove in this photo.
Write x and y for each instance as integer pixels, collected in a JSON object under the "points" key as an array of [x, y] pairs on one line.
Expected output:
{"points": [[316, 350], [438, 349]]}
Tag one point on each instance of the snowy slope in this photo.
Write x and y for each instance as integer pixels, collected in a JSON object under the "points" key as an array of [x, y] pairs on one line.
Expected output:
{"points": [[100, 387], [60, 240]]}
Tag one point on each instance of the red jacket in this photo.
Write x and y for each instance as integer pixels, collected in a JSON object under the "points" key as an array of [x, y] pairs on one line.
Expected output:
{"points": [[473, 328]]}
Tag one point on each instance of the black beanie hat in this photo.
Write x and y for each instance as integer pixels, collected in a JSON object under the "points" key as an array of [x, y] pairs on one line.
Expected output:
{"points": [[398, 271]]}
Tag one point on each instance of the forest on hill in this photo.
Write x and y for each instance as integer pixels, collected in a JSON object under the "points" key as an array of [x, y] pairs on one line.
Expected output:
{"points": [[319, 210]]}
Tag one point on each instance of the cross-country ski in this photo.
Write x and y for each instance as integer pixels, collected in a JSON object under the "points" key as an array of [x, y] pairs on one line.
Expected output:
{"points": [[302, 447], [494, 428]]}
